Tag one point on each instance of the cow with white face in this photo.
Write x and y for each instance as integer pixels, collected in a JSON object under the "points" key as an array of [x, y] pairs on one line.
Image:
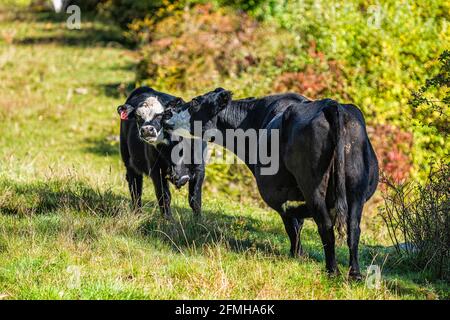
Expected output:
{"points": [[148, 117], [147, 113], [146, 149]]}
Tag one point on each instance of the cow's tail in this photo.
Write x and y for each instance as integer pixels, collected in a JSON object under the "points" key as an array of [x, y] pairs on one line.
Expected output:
{"points": [[335, 112]]}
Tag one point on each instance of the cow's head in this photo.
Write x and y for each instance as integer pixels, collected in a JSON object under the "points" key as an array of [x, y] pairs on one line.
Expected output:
{"points": [[202, 109], [147, 114]]}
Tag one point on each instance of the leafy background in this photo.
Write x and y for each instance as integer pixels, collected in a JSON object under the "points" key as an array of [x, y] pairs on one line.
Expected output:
{"points": [[369, 53]]}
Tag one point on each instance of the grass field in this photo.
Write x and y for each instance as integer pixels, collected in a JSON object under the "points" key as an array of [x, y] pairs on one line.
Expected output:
{"points": [[66, 230]]}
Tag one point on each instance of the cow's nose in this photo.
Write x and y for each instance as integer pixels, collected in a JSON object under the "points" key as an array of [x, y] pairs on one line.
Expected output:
{"points": [[182, 181], [148, 131]]}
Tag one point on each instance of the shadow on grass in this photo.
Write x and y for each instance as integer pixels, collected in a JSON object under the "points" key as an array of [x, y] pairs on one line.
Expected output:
{"points": [[89, 36], [50, 196], [249, 235], [103, 146], [214, 228], [94, 31], [400, 271], [239, 234]]}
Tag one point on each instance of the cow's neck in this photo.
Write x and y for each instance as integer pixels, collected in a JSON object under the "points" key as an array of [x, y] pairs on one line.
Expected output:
{"points": [[237, 115]]}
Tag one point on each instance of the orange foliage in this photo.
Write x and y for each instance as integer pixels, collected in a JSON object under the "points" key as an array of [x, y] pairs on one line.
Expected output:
{"points": [[393, 147], [316, 80]]}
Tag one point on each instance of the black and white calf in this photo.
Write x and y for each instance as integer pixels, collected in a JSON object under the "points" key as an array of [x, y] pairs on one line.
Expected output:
{"points": [[326, 161], [145, 150]]}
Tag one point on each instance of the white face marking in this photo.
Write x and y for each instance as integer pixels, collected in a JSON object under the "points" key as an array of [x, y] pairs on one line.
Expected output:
{"points": [[149, 108]]}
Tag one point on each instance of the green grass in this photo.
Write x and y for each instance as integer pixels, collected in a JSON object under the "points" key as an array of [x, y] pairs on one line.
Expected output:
{"points": [[66, 230]]}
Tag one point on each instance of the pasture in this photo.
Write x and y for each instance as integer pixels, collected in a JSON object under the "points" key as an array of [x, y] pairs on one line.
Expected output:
{"points": [[66, 228]]}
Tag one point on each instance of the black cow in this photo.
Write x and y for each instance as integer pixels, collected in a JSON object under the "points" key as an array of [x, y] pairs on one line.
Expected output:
{"points": [[145, 150], [325, 160]]}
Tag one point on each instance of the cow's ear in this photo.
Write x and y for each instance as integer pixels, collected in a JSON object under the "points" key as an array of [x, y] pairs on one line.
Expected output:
{"points": [[175, 104], [125, 111]]}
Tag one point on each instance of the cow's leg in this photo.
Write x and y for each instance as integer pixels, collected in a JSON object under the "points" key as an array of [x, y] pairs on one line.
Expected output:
{"points": [[162, 192], [353, 232], [326, 232], [135, 186], [195, 191], [293, 219], [293, 228], [327, 235], [291, 224]]}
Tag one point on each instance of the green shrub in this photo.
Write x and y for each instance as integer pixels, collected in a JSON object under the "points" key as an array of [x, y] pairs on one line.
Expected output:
{"points": [[384, 49], [431, 111]]}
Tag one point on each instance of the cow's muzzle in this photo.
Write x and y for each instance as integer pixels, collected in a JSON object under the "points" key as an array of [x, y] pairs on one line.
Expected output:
{"points": [[148, 133], [181, 181]]}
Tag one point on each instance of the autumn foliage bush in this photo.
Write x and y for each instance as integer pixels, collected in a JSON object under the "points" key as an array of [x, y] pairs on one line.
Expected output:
{"points": [[322, 77], [393, 148], [194, 49]]}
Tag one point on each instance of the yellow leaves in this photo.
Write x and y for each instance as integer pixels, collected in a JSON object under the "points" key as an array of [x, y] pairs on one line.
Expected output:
{"points": [[205, 44]]}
